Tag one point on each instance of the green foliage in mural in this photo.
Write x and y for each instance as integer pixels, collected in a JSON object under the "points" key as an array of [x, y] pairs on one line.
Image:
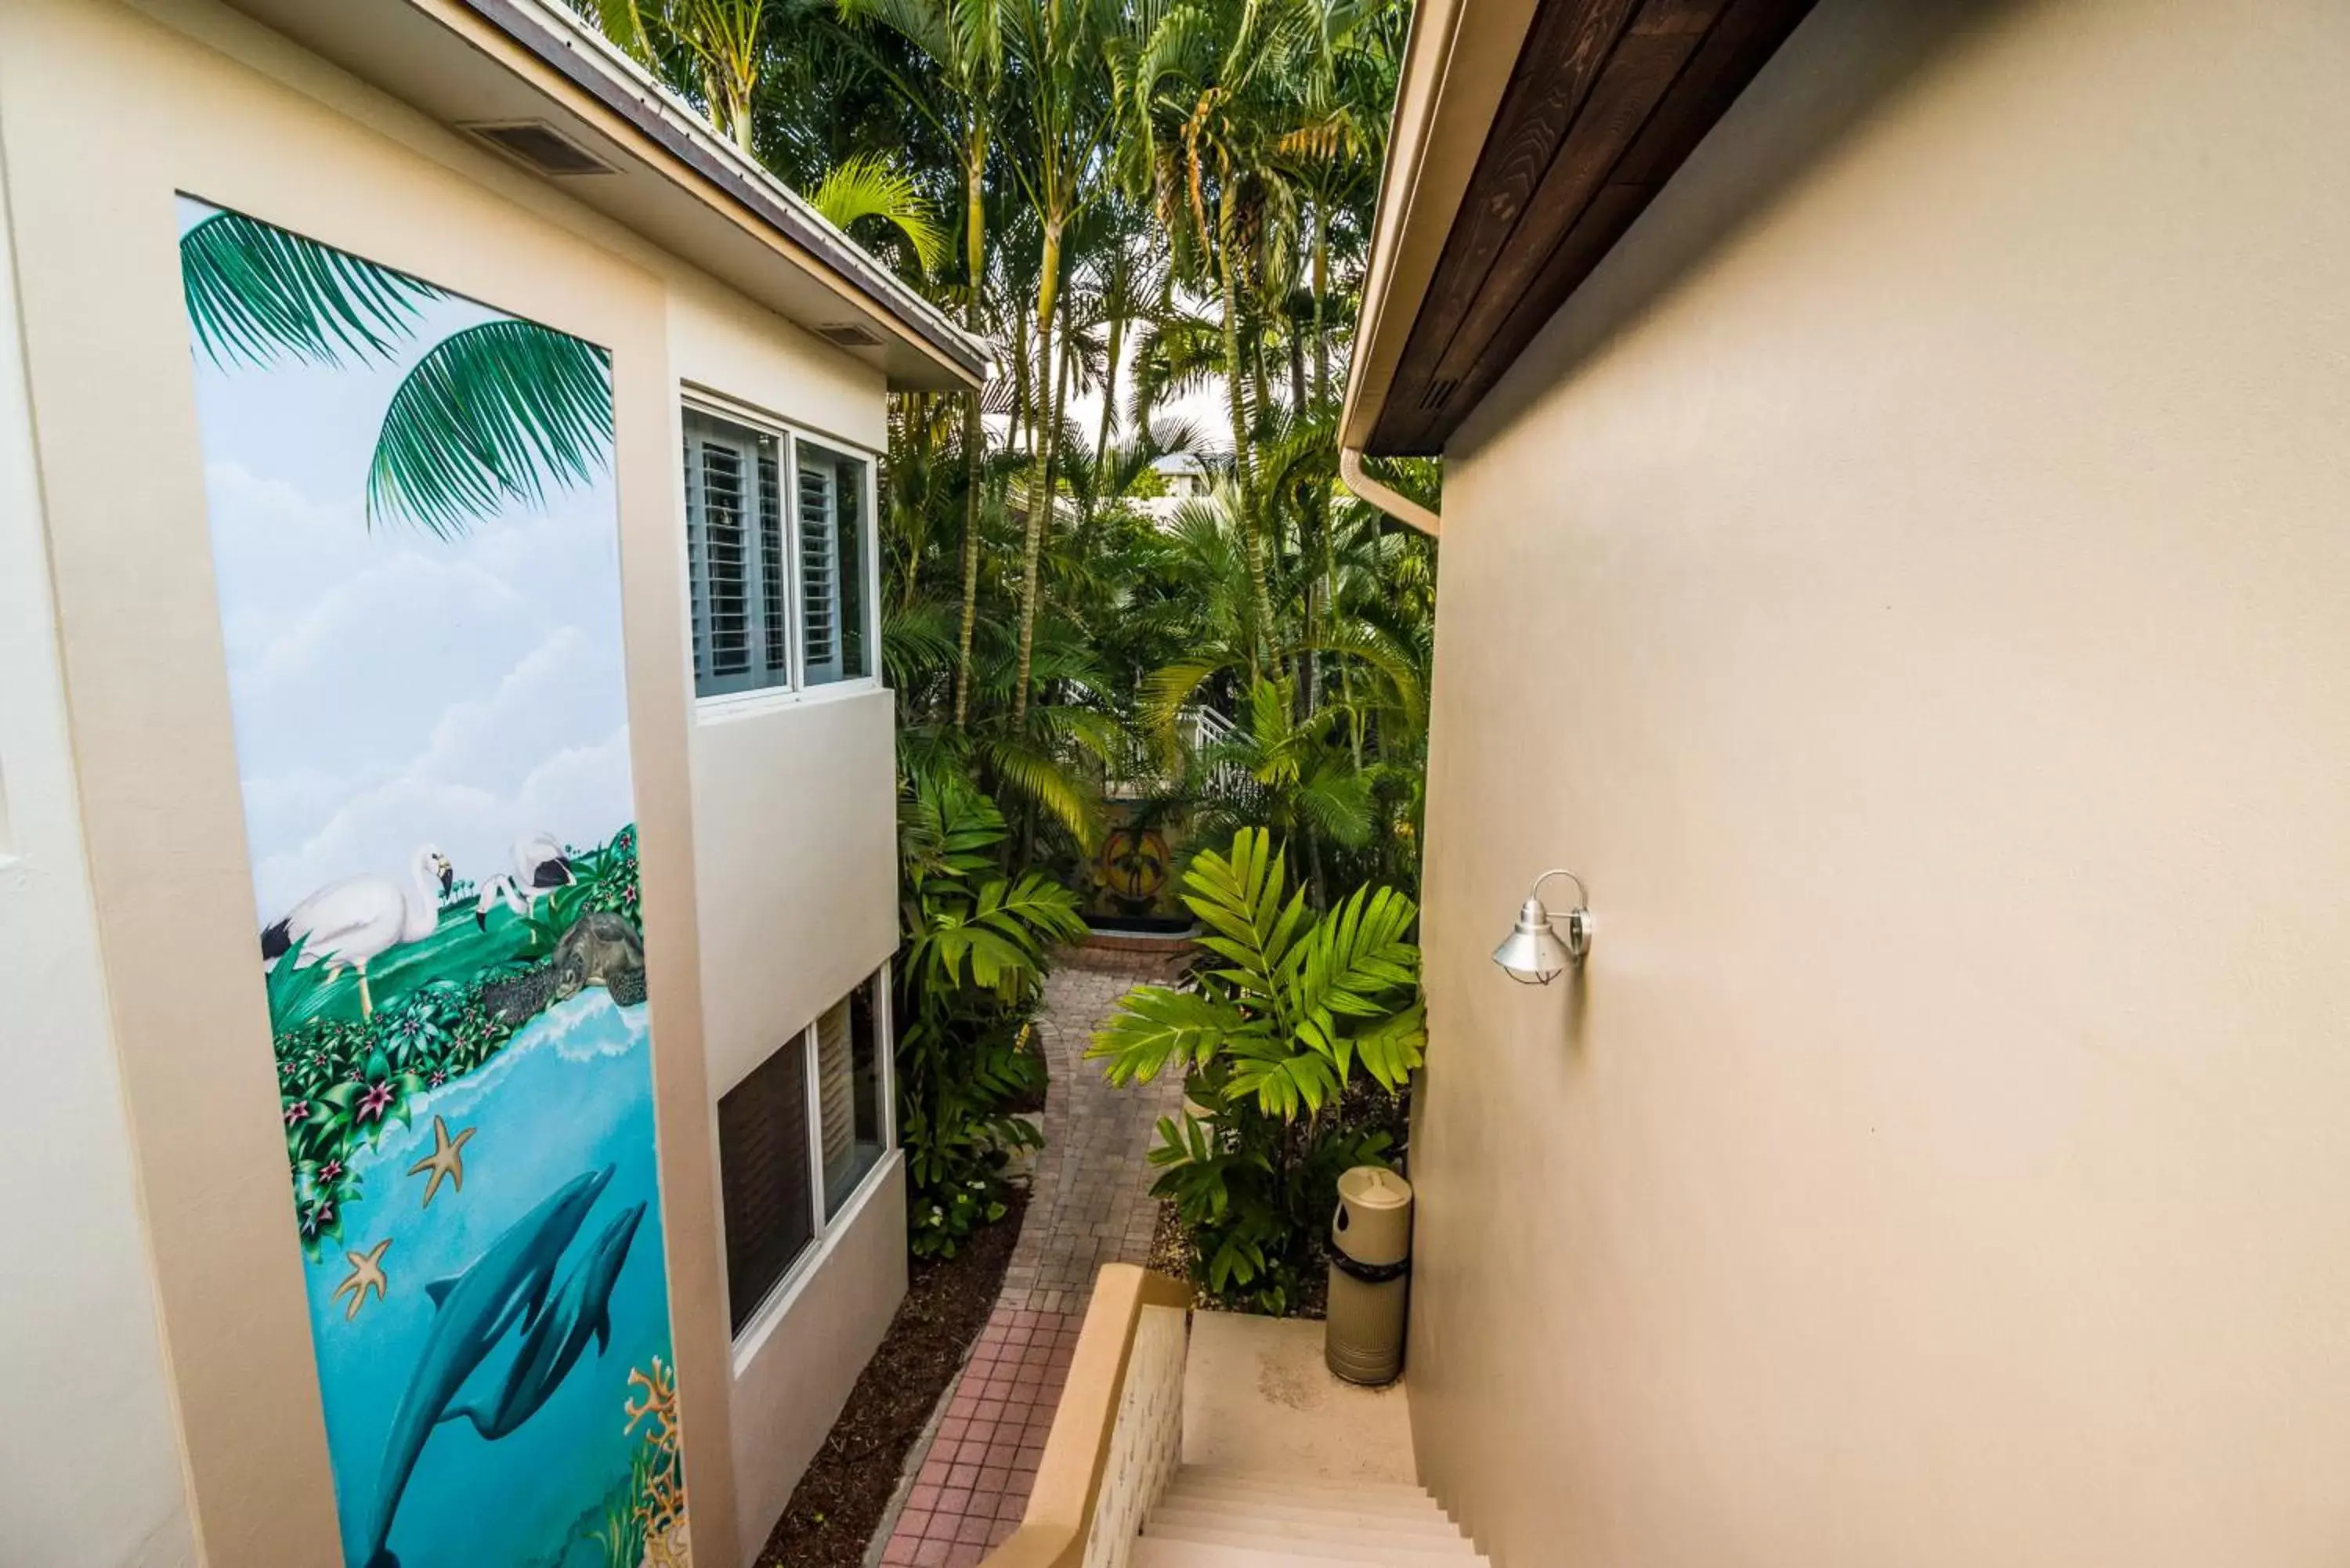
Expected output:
{"points": [[492, 414], [343, 1078], [255, 291], [488, 417]]}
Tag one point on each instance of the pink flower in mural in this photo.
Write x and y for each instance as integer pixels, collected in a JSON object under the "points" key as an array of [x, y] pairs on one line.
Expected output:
{"points": [[375, 1102], [296, 1111], [330, 1171]]}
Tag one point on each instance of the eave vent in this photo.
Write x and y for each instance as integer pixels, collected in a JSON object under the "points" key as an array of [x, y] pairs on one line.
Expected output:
{"points": [[541, 146], [847, 335]]}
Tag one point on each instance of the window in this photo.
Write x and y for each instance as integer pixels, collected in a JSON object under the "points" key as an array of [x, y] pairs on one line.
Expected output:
{"points": [[809, 1122], [832, 565], [763, 1168], [847, 1071], [781, 595]]}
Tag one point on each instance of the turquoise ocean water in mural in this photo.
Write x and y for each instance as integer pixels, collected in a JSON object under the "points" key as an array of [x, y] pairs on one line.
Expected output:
{"points": [[366, 1363]]}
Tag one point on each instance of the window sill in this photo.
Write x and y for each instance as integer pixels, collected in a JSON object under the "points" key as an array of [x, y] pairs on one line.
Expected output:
{"points": [[771, 1312], [730, 706]]}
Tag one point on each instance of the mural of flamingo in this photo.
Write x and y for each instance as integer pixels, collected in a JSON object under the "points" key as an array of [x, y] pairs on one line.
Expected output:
{"points": [[541, 866], [345, 924]]}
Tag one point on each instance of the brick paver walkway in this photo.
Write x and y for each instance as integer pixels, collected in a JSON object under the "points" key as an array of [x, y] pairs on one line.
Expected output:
{"points": [[1091, 1205]]}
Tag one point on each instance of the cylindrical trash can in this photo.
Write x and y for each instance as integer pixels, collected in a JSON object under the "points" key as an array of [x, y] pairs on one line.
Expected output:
{"points": [[1370, 1254]]}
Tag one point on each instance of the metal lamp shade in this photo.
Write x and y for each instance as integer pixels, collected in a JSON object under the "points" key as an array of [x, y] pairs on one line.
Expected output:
{"points": [[1532, 953]]}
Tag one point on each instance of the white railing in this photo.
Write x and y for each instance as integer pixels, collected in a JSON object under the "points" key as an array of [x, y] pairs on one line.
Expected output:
{"points": [[1198, 729], [1117, 1433], [1146, 1446]]}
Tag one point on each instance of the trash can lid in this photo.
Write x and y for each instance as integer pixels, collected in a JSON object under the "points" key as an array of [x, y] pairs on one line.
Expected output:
{"points": [[1368, 1186]]}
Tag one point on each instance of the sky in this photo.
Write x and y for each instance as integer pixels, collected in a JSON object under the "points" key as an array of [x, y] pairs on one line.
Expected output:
{"points": [[392, 690]]}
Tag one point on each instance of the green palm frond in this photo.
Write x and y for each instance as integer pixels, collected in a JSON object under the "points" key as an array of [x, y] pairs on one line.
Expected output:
{"points": [[867, 187], [490, 417], [255, 291]]}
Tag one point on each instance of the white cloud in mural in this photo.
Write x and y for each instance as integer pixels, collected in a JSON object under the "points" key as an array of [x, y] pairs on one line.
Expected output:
{"points": [[394, 689]]}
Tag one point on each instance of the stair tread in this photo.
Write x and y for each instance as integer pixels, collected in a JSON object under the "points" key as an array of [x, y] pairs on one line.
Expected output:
{"points": [[1169, 1552], [1289, 1518], [1387, 1505], [1434, 1554], [1214, 1475], [1150, 1553]]}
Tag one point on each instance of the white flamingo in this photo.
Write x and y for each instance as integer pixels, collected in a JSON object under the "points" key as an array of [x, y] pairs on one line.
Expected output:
{"points": [[345, 924], [540, 867]]}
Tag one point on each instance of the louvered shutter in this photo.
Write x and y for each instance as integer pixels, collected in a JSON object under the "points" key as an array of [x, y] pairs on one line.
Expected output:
{"points": [[735, 558], [835, 1083], [819, 573]]}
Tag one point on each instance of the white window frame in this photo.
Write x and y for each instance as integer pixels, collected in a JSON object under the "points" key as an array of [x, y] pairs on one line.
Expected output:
{"points": [[777, 1305], [747, 701]]}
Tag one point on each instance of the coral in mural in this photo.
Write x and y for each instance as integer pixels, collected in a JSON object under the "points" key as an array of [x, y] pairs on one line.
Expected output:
{"points": [[660, 1508]]}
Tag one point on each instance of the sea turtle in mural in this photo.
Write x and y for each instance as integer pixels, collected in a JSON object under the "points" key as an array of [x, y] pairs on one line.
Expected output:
{"points": [[601, 949]]}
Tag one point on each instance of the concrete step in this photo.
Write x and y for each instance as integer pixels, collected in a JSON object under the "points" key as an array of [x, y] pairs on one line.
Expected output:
{"points": [[1288, 1519], [1366, 1547], [1259, 1483], [1154, 1551], [1335, 1508]]}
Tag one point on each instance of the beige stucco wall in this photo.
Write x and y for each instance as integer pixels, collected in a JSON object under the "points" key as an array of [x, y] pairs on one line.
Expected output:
{"points": [[159, 993], [1910, 583], [794, 806], [90, 1469], [793, 1369]]}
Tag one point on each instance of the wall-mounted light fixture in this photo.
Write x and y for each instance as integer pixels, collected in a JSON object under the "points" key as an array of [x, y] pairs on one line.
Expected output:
{"points": [[1537, 950]]}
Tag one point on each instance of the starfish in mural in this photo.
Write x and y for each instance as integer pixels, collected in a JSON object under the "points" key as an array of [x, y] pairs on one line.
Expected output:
{"points": [[447, 1159], [366, 1274]]}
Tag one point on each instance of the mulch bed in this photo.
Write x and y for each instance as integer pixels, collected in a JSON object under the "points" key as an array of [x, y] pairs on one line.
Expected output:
{"points": [[838, 1505]]}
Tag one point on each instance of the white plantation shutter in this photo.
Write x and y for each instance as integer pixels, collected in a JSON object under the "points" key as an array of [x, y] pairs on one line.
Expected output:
{"points": [[772, 584], [735, 558], [835, 1081], [819, 571]]}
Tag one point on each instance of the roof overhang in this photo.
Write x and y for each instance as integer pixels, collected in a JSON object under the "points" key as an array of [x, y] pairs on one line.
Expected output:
{"points": [[1528, 136], [669, 177]]}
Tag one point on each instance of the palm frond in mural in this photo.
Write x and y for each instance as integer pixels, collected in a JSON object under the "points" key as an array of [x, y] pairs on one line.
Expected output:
{"points": [[489, 416], [255, 291]]}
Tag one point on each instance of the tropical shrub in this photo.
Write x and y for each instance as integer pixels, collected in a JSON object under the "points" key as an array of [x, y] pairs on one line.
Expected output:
{"points": [[973, 965], [1289, 1046]]}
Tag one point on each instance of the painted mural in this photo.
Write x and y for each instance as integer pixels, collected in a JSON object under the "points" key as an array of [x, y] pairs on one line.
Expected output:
{"points": [[414, 530]]}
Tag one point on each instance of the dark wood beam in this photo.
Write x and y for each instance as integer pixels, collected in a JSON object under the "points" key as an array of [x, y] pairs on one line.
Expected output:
{"points": [[1608, 98]]}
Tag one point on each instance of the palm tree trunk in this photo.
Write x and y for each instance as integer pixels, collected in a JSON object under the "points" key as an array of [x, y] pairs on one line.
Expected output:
{"points": [[1109, 391], [974, 432], [1320, 290], [1040, 494], [1243, 475], [1023, 431]]}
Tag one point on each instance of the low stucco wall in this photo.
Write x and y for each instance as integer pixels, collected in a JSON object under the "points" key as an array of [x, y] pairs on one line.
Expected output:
{"points": [[793, 1372], [1908, 585]]}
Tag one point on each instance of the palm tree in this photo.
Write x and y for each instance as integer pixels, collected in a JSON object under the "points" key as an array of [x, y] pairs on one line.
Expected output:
{"points": [[721, 40], [1213, 89], [491, 414], [1069, 115], [963, 40]]}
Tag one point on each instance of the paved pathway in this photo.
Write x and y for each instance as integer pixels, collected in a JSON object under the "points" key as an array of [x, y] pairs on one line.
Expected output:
{"points": [[1091, 1205]]}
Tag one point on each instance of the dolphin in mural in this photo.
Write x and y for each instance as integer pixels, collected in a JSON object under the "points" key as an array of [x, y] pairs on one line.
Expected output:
{"points": [[554, 1343], [507, 1284]]}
